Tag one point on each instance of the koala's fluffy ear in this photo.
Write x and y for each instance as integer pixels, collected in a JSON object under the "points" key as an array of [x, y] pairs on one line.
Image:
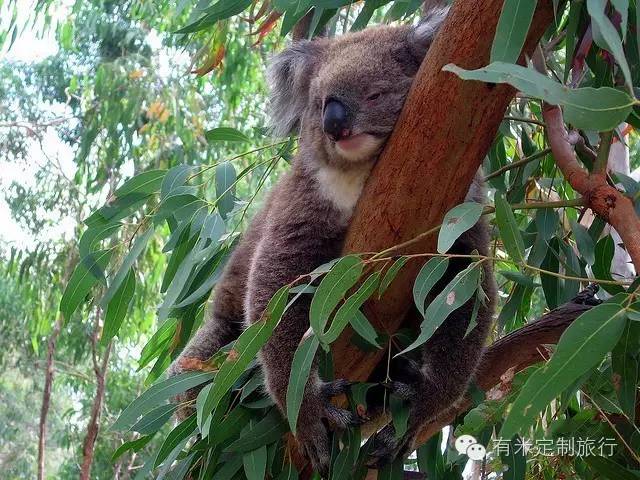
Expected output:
{"points": [[289, 76], [423, 34]]}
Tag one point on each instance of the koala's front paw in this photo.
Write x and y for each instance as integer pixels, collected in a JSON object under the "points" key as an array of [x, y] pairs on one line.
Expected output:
{"points": [[317, 416]]}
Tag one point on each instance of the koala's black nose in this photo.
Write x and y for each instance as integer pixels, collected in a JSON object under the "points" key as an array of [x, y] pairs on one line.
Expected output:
{"points": [[335, 122]]}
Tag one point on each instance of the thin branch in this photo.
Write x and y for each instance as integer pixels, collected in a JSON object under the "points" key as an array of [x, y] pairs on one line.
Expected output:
{"points": [[517, 164], [525, 120]]}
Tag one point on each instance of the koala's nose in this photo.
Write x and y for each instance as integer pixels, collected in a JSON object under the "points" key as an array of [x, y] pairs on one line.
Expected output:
{"points": [[335, 122]]}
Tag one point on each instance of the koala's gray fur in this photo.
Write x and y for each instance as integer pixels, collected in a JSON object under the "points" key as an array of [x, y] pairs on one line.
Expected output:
{"points": [[304, 220]]}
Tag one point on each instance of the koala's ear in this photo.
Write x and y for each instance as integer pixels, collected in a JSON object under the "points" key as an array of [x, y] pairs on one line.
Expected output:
{"points": [[289, 76], [422, 35]]}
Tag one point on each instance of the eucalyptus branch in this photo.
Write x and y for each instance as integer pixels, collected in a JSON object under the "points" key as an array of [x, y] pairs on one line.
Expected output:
{"points": [[517, 164], [525, 120], [602, 159]]}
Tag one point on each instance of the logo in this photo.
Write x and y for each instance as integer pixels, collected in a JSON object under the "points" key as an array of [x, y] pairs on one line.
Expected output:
{"points": [[469, 446]]}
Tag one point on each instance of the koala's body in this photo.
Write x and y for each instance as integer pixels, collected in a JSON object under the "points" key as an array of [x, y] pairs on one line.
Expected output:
{"points": [[343, 96]]}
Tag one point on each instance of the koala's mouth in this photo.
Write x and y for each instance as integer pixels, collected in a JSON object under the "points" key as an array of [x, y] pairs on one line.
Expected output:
{"points": [[359, 146]]}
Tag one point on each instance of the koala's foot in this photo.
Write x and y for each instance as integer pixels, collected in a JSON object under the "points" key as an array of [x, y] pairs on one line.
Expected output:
{"points": [[317, 417], [387, 446], [588, 296]]}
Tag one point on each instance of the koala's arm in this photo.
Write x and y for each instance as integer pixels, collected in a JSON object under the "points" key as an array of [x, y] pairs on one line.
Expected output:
{"points": [[295, 246]]}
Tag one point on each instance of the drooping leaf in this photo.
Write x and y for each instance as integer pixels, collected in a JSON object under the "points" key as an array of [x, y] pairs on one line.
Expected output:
{"points": [[300, 368], [391, 274], [255, 463], [588, 108], [117, 308], [581, 347], [158, 394], [268, 430], [350, 306], [452, 297], [80, 284], [457, 221], [155, 419], [225, 187], [431, 272], [175, 438], [511, 32], [343, 275], [609, 34], [625, 364], [509, 231], [584, 242], [226, 134], [245, 348]]}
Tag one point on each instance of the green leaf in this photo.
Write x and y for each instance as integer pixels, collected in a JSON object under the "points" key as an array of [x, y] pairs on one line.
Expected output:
{"points": [[245, 348], [343, 275], [158, 394], [457, 221], [584, 242], [176, 436], [363, 327], [133, 445], [349, 308], [516, 459], [157, 342], [125, 267], [95, 234], [609, 35], [429, 274], [268, 430], [509, 231], [624, 363], [511, 32], [400, 415], [391, 274], [226, 134], [300, 368], [81, 282], [225, 190], [148, 183], [580, 348], [155, 419], [117, 308], [604, 251], [174, 178], [587, 108], [255, 463], [218, 11], [454, 295], [609, 469]]}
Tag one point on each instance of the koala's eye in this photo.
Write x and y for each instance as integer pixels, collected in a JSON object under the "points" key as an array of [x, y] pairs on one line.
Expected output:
{"points": [[374, 96]]}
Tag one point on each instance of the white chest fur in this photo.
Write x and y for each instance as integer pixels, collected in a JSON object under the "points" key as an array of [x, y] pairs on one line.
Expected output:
{"points": [[342, 188]]}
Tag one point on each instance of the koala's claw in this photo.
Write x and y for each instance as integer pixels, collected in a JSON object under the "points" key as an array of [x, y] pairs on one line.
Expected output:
{"points": [[387, 447], [335, 388], [587, 296], [317, 416], [406, 391]]}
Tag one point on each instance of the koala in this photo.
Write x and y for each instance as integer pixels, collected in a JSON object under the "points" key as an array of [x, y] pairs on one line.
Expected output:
{"points": [[343, 96]]}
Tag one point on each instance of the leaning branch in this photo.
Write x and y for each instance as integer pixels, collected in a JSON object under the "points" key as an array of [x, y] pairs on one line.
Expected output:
{"points": [[605, 200]]}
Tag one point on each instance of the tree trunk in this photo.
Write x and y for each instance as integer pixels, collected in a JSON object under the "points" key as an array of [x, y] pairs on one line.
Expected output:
{"points": [[443, 134], [88, 446], [46, 395]]}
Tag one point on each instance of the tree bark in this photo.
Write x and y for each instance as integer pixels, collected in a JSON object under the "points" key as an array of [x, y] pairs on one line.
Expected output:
{"points": [[444, 132], [93, 427], [46, 395]]}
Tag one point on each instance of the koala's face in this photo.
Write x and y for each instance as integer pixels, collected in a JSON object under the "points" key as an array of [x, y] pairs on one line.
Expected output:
{"points": [[345, 94]]}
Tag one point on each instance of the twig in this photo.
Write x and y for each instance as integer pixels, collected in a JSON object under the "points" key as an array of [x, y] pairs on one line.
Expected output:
{"points": [[517, 164]]}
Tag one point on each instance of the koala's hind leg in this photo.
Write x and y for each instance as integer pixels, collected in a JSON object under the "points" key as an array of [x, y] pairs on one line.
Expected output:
{"points": [[449, 360]]}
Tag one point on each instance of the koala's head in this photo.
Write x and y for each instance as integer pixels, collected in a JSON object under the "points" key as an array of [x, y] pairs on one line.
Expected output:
{"points": [[344, 94]]}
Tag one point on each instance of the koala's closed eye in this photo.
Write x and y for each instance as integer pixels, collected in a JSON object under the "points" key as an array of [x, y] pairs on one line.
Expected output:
{"points": [[374, 96]]}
